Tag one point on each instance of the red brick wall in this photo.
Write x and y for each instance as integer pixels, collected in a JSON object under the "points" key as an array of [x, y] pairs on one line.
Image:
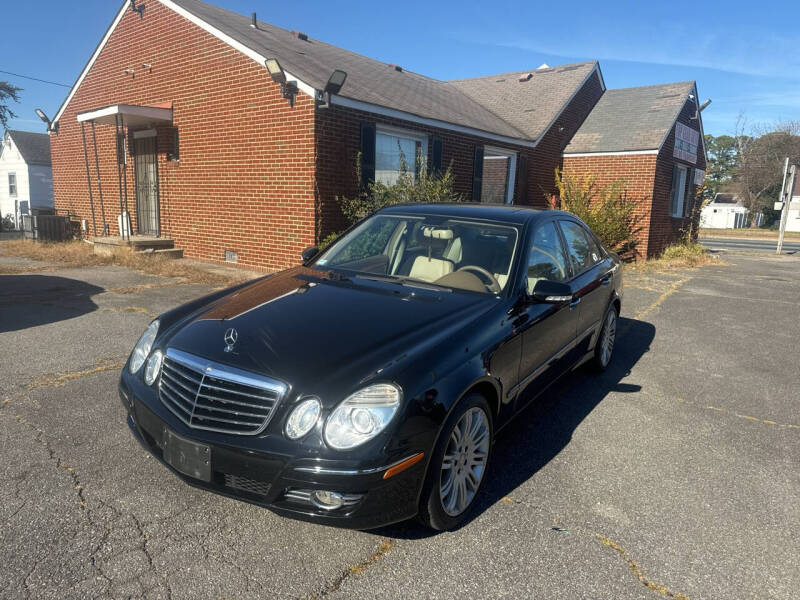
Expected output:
{"points": [[245, 179], [543, 160], [648, 179], [338, 144], [638, 173], [665, 229], [339, 139]]}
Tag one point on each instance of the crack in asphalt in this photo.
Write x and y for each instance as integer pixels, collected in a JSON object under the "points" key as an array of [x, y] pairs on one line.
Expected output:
{"points": [[108, 363], [636, 568], [357, 569], [639, 571], [148, 555], [39, 438]]}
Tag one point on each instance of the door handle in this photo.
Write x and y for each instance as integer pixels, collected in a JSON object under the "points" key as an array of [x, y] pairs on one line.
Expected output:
{"points": [[574, 303]]}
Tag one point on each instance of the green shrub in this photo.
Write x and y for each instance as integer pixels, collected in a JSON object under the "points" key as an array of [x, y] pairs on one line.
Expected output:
{"points": [[607, 210], [426, 187]]}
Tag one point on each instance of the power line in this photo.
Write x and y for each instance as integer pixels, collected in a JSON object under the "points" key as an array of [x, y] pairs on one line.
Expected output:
{"points": [[35, 79]]}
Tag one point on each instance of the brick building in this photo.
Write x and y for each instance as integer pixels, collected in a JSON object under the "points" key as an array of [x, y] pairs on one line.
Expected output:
{"points": [[207, 146], [651, 137]]}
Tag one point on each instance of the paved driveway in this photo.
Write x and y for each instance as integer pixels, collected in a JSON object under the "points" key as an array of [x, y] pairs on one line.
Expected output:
{"points": [[673, 475]]}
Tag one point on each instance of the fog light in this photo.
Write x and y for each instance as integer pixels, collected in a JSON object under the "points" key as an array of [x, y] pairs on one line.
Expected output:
{"points": [[327, 500], [153, 367]]}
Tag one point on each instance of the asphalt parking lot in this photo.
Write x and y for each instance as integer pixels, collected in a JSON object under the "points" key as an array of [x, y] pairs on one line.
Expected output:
{"points": [[673, 475]]}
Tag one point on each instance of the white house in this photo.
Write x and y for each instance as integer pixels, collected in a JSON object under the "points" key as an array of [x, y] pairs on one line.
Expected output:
{"points": [[793, 220], [26, 177], [726, 211]]}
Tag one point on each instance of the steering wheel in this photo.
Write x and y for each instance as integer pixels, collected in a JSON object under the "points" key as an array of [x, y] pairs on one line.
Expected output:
{"points": [[494, 286]]}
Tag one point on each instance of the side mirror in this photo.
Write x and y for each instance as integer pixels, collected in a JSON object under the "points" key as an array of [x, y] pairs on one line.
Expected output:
{"points": [[309, 253], [551, 291]]}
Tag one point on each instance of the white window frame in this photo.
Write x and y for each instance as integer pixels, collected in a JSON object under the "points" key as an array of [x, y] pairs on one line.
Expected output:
{"points": [[678, 203], [15, 184], [512, 168], [416, 136]]}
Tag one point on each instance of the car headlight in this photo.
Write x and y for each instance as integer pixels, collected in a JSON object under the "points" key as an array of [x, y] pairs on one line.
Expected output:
{"points": [[153, 367], [303, 418], [362, 416], [143, 347]]}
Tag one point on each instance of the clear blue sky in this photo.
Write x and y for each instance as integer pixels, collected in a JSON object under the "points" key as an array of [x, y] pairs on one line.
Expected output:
{"points": [[745, 56]]}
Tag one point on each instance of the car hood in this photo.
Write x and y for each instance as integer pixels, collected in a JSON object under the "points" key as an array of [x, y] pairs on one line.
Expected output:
{"points": [[321, 332]]}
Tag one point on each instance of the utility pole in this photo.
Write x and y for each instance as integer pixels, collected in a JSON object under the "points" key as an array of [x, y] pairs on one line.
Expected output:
{"points": [[786, 199]]}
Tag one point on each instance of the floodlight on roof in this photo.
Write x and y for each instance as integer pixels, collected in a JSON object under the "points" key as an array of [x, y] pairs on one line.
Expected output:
{"points": [[335, 82], [288, 88], [275, 70], [41, 114]]}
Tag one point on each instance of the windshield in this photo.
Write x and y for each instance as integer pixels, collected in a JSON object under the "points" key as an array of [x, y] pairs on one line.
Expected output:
{"points": [[447, 252]]}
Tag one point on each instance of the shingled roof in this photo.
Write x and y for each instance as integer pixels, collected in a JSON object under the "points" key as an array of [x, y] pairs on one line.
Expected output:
{"points": [[631, 119], [498, 104], [34, 147], [528, 100]]}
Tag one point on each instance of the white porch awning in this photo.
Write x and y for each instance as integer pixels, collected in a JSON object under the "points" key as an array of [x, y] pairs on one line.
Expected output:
{"points": [[131, 115]]}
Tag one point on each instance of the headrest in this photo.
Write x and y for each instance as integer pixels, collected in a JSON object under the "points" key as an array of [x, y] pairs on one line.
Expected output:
{"points": [[437, 234]]}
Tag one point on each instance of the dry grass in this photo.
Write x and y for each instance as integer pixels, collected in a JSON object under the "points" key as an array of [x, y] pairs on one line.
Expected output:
{"points": [[748, 234], [81, 254], [679, 256]]}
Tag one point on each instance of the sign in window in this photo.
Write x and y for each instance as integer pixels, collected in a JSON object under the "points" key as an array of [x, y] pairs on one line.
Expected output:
{"points": [[686, 141]]}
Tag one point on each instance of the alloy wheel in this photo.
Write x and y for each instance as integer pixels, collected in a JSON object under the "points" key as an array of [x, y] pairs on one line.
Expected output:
{"points": [[609, 335], [464, 461]]}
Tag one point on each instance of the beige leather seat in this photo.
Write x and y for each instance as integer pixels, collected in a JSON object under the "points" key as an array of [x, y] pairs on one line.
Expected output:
{"points": [[430, 269], [427, 268]]}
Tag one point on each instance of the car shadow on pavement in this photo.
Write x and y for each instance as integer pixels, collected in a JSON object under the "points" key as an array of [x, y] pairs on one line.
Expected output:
{"points": [[544, 428], [31, 300]]}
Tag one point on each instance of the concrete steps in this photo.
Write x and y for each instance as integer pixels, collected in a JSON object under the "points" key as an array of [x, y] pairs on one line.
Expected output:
{"points": [[165, 252], [140, 244]]}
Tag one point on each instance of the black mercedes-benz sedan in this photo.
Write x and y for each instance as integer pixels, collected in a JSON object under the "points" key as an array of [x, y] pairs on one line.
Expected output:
{"points": [[366, 386]]}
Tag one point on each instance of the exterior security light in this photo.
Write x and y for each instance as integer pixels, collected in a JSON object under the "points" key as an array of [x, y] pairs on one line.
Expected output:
{"points": [[41, 114], [335, 82], [288, 88], [275, 70]]}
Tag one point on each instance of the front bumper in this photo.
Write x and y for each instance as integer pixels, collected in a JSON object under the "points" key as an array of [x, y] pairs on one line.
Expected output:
{"points": [[278, 481]]}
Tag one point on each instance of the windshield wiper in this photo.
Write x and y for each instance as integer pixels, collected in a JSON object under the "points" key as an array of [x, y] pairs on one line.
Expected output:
{"points": [[399, 279], [375, 277]]}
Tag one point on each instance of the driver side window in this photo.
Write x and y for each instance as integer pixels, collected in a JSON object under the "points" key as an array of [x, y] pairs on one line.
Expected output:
{"points": [[546, 259]]}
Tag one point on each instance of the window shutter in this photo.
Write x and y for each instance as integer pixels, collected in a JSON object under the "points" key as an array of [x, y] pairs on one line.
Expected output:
{"points": [[367, 154], [477, 174], [521, 195], [436, 155]]}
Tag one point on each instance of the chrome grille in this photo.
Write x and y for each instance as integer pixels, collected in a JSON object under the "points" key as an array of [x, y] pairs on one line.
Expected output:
{"points": [[207, 395]]}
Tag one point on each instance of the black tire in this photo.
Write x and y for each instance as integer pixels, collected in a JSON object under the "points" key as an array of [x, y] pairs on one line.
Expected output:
{"points": [[600, 361], [432, 512]]}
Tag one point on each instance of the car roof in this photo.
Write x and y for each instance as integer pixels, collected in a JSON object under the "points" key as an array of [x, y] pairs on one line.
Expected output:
{"points": [[504, 213]]}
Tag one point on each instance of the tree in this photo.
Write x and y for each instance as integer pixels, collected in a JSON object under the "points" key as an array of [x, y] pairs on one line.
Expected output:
{"points": [[7, 92], [759, 174], [723, 159]]}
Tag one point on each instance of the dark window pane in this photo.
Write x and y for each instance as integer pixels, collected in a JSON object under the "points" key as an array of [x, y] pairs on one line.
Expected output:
{"points": [[546, 259], [578, 246]]}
